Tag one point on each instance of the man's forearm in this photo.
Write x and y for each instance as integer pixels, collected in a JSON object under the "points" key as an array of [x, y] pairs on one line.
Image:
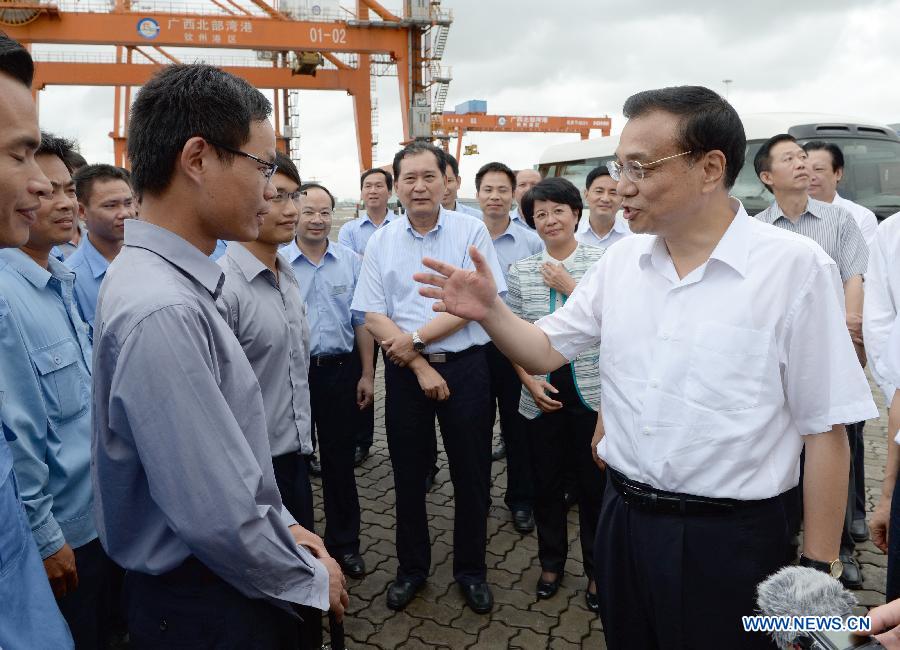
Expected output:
{"points": [[366, 346], [381, 327], [522, 342], [826, 476], [893, 458], [440, 327]]}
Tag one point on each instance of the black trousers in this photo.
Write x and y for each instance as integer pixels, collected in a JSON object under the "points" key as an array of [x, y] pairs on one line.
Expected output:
{"points": [[292, 477], [892, 591], [672, 582], [859, 466], [332, 393], [365, 433], [465, 421], [854, 439], [203, 612], [561, 445], [506, 390], [86, 609]]}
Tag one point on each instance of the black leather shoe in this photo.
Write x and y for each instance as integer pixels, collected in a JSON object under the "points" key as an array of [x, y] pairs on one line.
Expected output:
{"points": [[546, 590], [859, 530], [478, 597], [592, 601], [499, 452], [852, 575], [523, 520], [315, 468], [401, 592], [360, 455], [352, 565], [571, 499]]}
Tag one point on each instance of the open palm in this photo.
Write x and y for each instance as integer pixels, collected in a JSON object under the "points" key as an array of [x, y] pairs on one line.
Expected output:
{"points": [[464, 293]]}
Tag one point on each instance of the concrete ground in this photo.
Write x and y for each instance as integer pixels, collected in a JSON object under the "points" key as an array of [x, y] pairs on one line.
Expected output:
{"points": [[438, 617]]}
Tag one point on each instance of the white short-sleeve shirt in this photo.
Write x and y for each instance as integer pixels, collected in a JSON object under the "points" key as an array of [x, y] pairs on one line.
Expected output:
{"points": [[709, 382]]}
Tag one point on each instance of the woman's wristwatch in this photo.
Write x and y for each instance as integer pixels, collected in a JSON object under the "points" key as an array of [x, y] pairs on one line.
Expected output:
{"points": [[834, 568]]}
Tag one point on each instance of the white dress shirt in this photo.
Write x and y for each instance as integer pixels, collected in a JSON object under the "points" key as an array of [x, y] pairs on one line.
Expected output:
{"points": [[709, 382], [891, 362], [864, 217], [882, 299]]}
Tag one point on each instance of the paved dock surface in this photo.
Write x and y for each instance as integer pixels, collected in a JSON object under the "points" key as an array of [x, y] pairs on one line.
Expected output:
{"points": [[439, 618]]}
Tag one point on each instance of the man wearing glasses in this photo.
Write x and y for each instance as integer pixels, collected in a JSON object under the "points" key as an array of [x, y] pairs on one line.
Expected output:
{"points": [[263, 307], [185, 495], [723, 352], [341, 378]]}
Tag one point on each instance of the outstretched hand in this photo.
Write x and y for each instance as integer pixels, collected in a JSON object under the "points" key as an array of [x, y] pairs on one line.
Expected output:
{"points": [[469, 294]]}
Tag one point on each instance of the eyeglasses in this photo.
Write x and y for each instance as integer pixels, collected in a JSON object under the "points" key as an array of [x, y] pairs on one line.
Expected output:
{"points": [[634, 170], [281, 197], [270, 167]]}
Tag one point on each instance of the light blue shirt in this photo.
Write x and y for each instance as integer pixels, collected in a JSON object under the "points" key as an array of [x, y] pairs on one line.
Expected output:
{"points": [[620, 230], [465, 209], [45, 377], [516, 243], [355, 233], [89, 267], [182, 462], [386, 285], [219, 250], [327, 289], [519, 218]]}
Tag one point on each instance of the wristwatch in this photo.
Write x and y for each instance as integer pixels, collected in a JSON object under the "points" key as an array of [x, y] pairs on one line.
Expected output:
{"points": [[834, 568], [418, 343]]}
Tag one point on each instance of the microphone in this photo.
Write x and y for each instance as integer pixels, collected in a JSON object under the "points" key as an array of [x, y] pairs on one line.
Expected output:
{"points": [[802, 591]]}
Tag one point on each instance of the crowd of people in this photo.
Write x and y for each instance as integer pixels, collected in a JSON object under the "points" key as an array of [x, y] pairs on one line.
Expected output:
{"points": [[180, 340]]}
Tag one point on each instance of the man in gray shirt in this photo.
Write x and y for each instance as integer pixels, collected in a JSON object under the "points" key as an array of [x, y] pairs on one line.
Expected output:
{"points": [[185, 495]]}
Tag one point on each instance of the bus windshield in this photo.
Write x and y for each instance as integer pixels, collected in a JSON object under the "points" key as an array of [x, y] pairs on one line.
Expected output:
{"points": [[871, 176]]}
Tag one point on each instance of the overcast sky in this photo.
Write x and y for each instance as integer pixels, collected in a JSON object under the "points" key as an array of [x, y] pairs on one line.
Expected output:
{"points": [[584, 58]]}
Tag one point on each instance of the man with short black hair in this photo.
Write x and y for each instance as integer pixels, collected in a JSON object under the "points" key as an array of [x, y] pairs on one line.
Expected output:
{"points": [[454, 181], [105, 201], [783, 167], [375, 186], [31, 617], [341, 374], [185, 494], [604, 227], [494, 184], [47, 405], [717, 367], [438, 368]]}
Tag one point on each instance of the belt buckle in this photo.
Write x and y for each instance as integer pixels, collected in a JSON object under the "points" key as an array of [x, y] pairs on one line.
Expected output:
{"points": [[437, 357]]}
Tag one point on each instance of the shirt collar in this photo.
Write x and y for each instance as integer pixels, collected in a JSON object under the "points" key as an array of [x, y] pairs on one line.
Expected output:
{"points": [[177, 252], [387, 218], [512, 229], [619, 226], [813, 208], [733, 248], [37, 275], [95, 260], [247, 262], [437, 226], [546, 257], [515, 215], [292, 252]]}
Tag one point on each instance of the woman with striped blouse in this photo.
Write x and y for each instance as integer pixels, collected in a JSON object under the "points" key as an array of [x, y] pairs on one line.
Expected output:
{"points": [[561, 408]]}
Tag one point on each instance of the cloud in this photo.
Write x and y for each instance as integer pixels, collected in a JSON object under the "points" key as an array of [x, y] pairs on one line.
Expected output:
{"points": [[584, 58]]}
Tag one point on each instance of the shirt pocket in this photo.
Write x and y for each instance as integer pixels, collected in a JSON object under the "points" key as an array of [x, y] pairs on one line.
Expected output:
{"points": [[62, 380], [727, 366]]}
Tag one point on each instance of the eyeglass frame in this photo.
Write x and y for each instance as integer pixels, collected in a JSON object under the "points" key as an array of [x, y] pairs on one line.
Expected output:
{"points": [[272, 167], [293, 196], [616, 168]]}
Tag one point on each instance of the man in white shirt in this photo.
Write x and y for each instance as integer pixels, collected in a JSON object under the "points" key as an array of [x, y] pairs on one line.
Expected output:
{"points": [[604, 226], [716, 367], [826, 167], [525, 180]]}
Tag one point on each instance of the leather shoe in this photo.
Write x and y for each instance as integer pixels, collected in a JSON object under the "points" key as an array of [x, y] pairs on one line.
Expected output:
{"points": [[571, 499], [592, 601], [401, 592], [315, 468], [523, 520], [478, 597], [851, 578], [352, 565], [359, 455], [499, 452], [859, 530], [546, 590]]}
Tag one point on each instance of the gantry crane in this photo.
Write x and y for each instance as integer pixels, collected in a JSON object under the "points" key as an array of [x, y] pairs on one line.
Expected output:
{"points": [[451, 124], [299, 44]]}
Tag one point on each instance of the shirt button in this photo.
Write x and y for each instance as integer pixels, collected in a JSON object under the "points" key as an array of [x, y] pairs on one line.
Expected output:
{"points": [[57, 360], [646, 430]]}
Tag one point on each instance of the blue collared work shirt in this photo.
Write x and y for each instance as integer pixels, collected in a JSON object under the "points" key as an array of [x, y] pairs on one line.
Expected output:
{"points": [[89, 267], [45, 378], [516, 243], [355, 233], [327, 289]]}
